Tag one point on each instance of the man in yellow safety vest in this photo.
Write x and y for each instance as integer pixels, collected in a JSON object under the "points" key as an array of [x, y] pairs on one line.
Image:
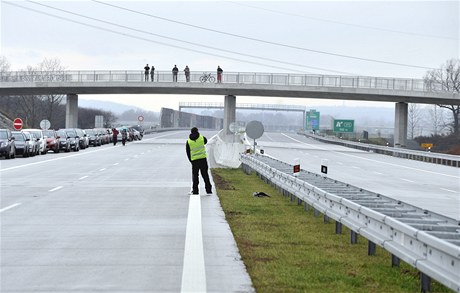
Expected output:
{"points": [[196, 153]]}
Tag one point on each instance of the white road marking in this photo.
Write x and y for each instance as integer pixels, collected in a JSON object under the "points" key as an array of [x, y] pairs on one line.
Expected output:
{"points": [[116, 164], [407, 180], [52, 160], [193, 274], [10, 207], [454, 191], [81, 178], [355, 167], [371, 160], [56, 188], [378, 173], [102, 169]]}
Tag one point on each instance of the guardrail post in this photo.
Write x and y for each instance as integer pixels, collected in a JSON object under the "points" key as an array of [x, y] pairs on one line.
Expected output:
{"points": [[353, 237], [395, 261], [315, 212], [370, 248], [306, 207], [326, 219], [338, 228], [425, 283]]}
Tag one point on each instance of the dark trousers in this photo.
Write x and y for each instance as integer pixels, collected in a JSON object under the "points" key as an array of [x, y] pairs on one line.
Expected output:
{"points": [[201, 166]]}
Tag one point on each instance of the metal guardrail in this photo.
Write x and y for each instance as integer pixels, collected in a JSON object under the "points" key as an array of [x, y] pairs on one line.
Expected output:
{"points": [[427, 241], [340, 81], [424, 156]]}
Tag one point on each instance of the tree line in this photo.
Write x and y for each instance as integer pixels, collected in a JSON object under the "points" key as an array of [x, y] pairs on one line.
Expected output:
{"points": [[32, 109]]}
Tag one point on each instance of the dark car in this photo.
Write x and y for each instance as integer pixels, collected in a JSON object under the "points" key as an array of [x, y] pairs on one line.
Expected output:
{"points": [[74, 139], [51, 140], [64, 140], [22, 143], [94, 137], [7, 145]]}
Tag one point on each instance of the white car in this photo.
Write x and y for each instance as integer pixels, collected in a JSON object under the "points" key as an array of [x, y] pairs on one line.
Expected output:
{"points": [[38, 134]]}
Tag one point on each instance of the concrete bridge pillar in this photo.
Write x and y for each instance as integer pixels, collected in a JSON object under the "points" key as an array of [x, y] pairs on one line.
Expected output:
{"points": [[71, 111], [400, 136], [229, 113]]}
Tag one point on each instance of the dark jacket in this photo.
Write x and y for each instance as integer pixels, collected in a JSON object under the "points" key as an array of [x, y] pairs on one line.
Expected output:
{"points": [[193, 136]]}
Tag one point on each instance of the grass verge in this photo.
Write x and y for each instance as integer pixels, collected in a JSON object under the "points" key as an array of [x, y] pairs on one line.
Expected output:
{"points": [[286, 249]]}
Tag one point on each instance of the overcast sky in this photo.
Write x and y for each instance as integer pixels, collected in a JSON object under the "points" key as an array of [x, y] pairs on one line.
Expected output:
{"points": [[397, 38]]}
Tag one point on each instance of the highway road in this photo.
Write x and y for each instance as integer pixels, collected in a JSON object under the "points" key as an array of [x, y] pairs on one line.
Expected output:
{"points": [[114, 219], [429, 186], [119, 219]]}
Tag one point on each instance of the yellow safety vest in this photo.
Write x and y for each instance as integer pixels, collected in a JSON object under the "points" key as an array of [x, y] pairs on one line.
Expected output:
{"points": [[197, 148]]}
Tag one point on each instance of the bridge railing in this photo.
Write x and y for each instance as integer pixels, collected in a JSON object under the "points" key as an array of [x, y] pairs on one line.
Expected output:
{"points": [[340, 81]]}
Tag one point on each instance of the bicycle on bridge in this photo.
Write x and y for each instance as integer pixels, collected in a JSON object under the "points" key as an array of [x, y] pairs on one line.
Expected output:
{"points": [[207, 77]]}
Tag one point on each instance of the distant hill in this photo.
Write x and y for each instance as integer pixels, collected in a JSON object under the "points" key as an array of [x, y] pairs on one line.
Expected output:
{"points": [[106, 106]]}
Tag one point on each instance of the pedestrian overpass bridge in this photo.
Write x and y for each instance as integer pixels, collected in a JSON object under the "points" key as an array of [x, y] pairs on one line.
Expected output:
{"points": [[283, 85]]}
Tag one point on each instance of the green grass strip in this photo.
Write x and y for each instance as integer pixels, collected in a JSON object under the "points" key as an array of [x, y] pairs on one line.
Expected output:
{"points": [[287, 249]]}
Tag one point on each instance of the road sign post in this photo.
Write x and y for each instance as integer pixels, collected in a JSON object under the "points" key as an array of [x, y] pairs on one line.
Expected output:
{"points": [[45, 124], [17, 123], [312, 120], [344, 125]]}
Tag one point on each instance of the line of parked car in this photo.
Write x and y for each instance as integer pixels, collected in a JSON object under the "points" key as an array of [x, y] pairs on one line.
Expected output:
{"points": [[32, 142]]}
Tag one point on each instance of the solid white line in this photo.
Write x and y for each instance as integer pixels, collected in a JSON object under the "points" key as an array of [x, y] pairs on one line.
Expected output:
{"points": [[407, 180], [371, 160], [10, 207], [193, 274], [81, 178], [52, 160], [449, 190], [56, 188]]}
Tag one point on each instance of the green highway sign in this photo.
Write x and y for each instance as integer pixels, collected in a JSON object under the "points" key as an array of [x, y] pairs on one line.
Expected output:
{"points": [[344, 125], [312, 120]]}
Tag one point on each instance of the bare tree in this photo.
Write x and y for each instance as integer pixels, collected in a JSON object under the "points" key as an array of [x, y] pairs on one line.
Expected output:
{"points": [[447, 79], [414, 117], [436, 119], [52, 70], [4, 64], [41, 107]]}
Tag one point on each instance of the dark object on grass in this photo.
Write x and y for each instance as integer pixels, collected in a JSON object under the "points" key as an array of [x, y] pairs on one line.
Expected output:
{"points": [[260, 194]]}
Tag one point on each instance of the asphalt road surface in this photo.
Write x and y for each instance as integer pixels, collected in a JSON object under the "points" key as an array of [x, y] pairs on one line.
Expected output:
{"points": [[429, 186], [114, 219], [119, 219]]}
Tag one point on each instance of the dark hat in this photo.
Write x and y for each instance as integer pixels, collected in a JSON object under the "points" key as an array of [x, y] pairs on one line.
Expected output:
{"points": [[194, 130]]}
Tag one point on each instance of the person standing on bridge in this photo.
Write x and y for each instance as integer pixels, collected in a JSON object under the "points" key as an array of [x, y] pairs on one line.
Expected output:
{"points": [[146, 72], [152, 73], [175, 70], [219, 74], [187, 73], [196, 153]]}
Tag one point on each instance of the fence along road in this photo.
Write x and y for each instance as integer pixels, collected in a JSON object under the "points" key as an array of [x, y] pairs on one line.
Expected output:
{"points": [[234, 83], [427, 241]]}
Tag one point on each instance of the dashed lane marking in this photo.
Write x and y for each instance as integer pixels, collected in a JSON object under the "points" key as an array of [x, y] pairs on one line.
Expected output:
{"points": [[10, 207], [56, 188]]}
